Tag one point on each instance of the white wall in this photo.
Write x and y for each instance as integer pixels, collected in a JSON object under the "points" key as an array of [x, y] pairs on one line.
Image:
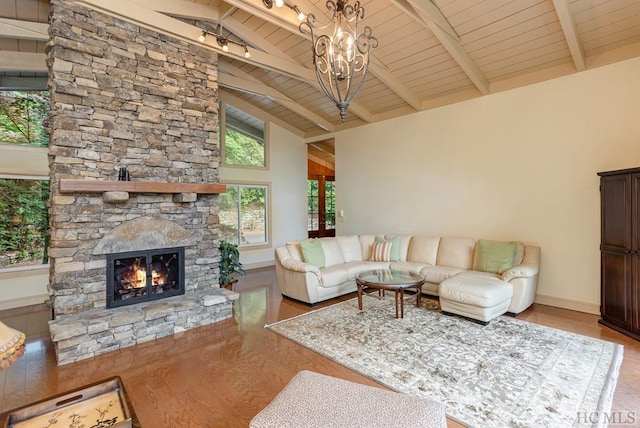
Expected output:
{"points": [[24, 286], [287, 175], [515, 165]]}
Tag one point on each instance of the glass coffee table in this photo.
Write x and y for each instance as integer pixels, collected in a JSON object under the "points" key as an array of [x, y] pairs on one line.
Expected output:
{"points": [[392, 280]]}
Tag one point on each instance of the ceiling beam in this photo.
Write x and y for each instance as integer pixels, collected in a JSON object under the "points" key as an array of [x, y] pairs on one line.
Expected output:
{"points": [[287, 19], [26, 30], [426, 13], [181, 8], [570, 33], [23, 61], [244, 82]]}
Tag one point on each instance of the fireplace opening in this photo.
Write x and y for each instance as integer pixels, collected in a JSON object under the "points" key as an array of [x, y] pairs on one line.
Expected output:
{"points": [[140, 276]]}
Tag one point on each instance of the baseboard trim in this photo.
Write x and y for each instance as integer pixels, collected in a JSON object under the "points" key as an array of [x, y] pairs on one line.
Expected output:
{"points": [[573, 305], [23, 301], [259, 265]]}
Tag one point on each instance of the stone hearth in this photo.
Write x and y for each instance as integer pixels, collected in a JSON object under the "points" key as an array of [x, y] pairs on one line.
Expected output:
{"points": [[125, 96]]}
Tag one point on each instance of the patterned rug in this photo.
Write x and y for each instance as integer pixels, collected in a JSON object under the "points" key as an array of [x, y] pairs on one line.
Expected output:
{"points": [[510, 373]]}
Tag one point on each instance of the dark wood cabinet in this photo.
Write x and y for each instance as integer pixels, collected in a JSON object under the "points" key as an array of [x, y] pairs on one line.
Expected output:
{"points": [[620, 250]]}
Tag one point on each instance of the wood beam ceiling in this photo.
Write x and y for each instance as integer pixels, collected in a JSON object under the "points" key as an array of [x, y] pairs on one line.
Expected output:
{"points": [[571, 34], [427, 14]]}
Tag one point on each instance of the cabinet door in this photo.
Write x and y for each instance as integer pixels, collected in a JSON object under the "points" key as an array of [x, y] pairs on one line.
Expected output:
{"points": [[616, 293], [616, 264]]}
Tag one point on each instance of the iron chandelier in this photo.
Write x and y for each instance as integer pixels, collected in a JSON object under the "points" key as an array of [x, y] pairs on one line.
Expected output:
{"points": [[340, 58]]}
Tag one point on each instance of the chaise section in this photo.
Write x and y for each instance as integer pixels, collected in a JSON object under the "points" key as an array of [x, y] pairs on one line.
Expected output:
{"points": [[477, 295]]}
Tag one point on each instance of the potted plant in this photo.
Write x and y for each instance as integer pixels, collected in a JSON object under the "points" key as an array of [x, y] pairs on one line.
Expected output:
{"points": [[230, 266]]}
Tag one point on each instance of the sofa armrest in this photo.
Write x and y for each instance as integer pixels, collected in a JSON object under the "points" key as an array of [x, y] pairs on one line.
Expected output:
{"points": [[520, 271], [299, 266]]}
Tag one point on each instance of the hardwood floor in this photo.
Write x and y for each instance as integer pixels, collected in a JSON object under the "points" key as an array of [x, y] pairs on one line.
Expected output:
{"points": [[223, 374]]}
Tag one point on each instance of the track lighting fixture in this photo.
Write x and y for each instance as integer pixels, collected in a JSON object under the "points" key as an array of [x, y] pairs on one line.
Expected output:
{"points": [[223, 42], [301, 16]]}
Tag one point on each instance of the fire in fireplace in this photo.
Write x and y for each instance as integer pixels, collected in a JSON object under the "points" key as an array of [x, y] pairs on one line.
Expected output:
{"points": [[141, 276]]}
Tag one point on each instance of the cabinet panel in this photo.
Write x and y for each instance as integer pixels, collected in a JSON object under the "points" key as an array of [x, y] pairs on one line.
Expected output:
{"points": [[616, 212], [615, 305]]}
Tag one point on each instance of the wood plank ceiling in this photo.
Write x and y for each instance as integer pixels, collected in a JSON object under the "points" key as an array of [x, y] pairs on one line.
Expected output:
{"points": [[431, 52]]}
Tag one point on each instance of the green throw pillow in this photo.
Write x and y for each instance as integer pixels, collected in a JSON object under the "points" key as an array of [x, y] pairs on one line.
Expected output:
{"points": [[395, 247], [495, 256], [312, 252]]}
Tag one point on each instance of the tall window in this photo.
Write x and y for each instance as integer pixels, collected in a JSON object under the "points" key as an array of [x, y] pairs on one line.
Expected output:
{"points": [[244, 139], [23, 222], [244, 214]]}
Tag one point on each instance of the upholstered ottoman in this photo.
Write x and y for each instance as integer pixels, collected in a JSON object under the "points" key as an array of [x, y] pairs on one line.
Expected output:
{"points": [[476, 295], [315, 400]]}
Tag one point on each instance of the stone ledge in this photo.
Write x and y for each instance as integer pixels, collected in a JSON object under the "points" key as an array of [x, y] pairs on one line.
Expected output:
{"points": [[90, 333]]}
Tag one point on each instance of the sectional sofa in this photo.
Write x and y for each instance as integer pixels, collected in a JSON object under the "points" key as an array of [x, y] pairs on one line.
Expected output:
{"points": [[457, 269]]}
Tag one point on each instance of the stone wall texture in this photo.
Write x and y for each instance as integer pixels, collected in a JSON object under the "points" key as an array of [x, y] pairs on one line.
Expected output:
{"points": [[126, 96]]}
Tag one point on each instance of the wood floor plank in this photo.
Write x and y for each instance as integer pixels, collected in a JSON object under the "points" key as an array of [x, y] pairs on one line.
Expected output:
{"points": [[223, 374]]}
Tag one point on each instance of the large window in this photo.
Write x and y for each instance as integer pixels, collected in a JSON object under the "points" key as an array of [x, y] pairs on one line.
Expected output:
{"points": [[243, 139], [244, 214], [23, 222]]}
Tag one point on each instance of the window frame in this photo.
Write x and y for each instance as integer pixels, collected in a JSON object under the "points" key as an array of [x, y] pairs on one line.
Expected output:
{"points": [[267, 222], [222, 134]]}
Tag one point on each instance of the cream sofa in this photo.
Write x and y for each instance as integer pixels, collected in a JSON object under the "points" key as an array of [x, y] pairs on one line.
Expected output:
{"points": [[446, 262]]}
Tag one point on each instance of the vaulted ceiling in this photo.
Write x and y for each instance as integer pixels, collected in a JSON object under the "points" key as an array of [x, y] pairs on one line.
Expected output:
{"points": [[430, 53]]}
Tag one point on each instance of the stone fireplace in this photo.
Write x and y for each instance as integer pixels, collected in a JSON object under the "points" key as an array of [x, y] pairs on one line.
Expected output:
{"points": [[127, 97]]}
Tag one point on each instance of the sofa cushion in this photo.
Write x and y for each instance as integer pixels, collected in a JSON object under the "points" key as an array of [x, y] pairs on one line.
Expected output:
{"points": [[495, 256], [423, 249], [408, 266], [437, 274], [354, 268], [295, 251], [312, 252], [456, 252], [366, 242], [476, 289], [334, 276], [332, 252], [395, 253], [381, 251], [351, 249], [405, 241]]}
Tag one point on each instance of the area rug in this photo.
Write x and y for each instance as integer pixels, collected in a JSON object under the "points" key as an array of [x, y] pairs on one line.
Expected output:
{"points": [[511, 373]]}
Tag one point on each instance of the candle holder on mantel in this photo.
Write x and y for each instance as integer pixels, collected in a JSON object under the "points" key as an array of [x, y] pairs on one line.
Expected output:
{"points": [[123, 174]]}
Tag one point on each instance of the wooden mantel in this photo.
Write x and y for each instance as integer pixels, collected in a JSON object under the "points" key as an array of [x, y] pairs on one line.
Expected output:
{"points": [[101, 186]]}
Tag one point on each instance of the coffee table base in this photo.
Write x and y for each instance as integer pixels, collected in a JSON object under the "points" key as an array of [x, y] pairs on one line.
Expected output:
{"points": [[398, 294]]}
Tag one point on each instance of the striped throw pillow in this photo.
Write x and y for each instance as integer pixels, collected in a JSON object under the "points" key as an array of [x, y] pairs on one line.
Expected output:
{"points": [[381, 251]]}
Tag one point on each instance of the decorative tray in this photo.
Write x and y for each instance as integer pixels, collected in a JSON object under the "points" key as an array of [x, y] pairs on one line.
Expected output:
{"points": [[99, 405]]}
